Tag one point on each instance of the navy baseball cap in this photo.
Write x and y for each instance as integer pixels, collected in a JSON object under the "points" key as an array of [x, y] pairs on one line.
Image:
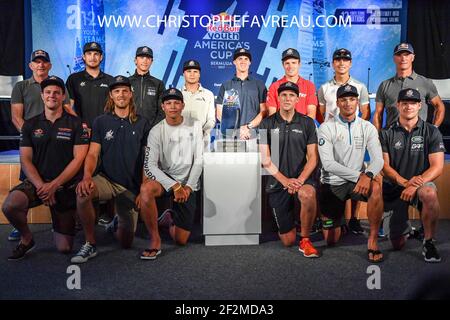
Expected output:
{"points": [[40, 54], [288, 86], [403, 47], [92, 46], [191, 64], [409, 94], [242, 52], [144, 51], [346, 90], [172, 93], [53, 80], [119, 81], [342, 54], [290, 53]]}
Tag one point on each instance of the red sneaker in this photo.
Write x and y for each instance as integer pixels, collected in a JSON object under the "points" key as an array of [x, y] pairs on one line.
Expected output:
{"points": [[306, 247]]}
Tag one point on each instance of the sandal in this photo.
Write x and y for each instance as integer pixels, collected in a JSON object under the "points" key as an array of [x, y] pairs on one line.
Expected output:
{"points": [[374, 253], [147, 254]]}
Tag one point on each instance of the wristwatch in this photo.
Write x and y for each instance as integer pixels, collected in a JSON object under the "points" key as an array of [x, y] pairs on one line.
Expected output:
{"points": [[369, 174], [249, 125]]}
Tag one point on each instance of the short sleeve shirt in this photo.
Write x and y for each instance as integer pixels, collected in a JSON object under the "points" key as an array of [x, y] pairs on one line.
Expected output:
{"points": [[89, 94], [290, 139], [388, 90], [307, 95], [252, 92], [122, 148], [53, 143], [28, 93], [327, 96], [409, 151]]}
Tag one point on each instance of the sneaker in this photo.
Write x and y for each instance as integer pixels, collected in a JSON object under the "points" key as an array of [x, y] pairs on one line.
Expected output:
{"points": [[111, 227], [14, 235], [355, 226], [316, 227], [104, 220], [21, 250], [416, 233], [430, 252], [166, 220], [306, 247], [86, 252]]}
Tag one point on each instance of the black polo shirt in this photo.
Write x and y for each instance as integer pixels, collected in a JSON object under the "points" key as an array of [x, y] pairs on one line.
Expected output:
{"points": [[89, 94], [53, 143], [292, 138], [122, 148], [408, 151]]}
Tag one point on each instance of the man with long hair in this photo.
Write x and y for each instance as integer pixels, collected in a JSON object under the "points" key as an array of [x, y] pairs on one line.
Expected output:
{"points": [[118, 140]]}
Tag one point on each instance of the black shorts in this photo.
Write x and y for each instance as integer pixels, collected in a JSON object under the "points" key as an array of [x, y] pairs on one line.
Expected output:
{"points": [[63, 212], [332, 202], [395, 217], [183, 213], [283, 205]]}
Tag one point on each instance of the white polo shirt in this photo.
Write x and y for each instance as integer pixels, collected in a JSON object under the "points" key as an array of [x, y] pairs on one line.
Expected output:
{"points": [[200, 106], [327, 96]]}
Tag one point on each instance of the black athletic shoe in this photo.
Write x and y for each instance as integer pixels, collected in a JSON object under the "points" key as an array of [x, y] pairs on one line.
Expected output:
{"points": [[355, 227], [21, 250], [430, 252]]}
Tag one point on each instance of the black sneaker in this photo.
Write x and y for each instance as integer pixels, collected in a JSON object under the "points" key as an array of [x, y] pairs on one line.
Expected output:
{"points": [[21, 250], [355, 227], [86, 252], [430, 252]]}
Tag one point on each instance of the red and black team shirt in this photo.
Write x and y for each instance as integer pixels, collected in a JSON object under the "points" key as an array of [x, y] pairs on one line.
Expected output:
{"points": [[53, 143]]}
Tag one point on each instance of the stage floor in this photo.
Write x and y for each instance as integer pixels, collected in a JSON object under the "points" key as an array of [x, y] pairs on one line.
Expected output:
{"points": [[267, 271]]}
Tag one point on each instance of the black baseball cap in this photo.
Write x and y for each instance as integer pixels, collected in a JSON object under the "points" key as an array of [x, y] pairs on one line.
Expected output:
{"points": [[53, 80], [288, 86], [342, 54], [346, 90], [119, 81], [403, 47], [40, 54], [92, 46], [290, 53], [191, 64], [172, 93], [409, 94], [242, 52], [144, 51]]}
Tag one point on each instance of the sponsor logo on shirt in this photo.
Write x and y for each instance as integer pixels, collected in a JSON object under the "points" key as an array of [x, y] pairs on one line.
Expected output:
{"points": [[417, 147], [104, 85], [442, 146], [303, 95], [321, 141], [38, 133], [82, 84], [417, 139], [109, 135], [297, 131], [398, 145], [151, 91]]}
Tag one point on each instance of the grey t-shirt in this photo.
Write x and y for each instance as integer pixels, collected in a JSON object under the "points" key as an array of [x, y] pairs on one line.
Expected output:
{"points": [[28, 93], [388, 90]]}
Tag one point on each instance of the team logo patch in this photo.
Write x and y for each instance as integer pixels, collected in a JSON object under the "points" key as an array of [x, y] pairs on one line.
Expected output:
{"points": [[348, 88], [145, 49], [109, 135], [192, 63], [93, 45], [321, 141], [38, 133], [417, 139], [409, 93], [242, 50], [119, 78], [290, 51], [398, 145], [403, 46], [172, 91], [40, 53], [82, 84]]}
